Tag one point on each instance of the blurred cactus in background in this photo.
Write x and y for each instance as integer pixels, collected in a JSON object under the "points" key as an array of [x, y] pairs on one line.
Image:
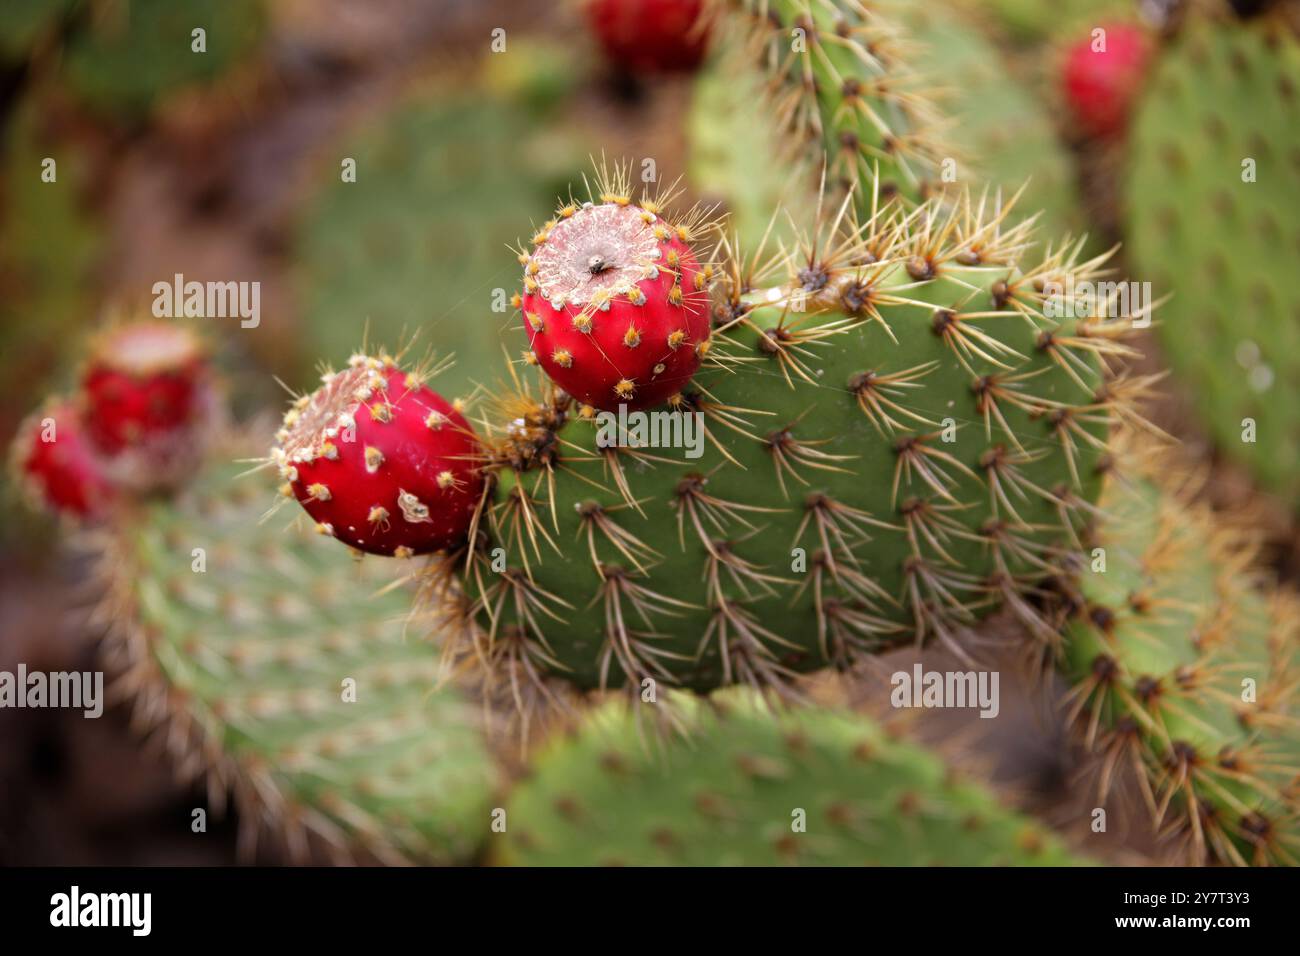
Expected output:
{"points": [[1215, 146], [123, 56], [753, 788], [413, 242], [308, 703]]}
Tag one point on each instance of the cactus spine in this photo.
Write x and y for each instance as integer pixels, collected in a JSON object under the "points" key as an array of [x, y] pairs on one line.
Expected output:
{"points": [[928, 69], [996, 132]]}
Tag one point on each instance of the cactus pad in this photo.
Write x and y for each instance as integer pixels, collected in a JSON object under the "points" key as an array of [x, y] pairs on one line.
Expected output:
{"points": [[735, 792], [1186, 671], [842, 87], [241, 668], [945, 64], [1005, 135], [1225, 248]]}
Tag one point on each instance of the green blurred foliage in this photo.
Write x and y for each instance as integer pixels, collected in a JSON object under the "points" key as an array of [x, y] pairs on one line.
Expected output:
{"points": [[26, 23], [128, 54], [49, 247], [1035, 23]]}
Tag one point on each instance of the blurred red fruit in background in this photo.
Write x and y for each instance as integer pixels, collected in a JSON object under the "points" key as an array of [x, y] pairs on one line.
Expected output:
{"points": [[651, 36], [1102, 76], [56, 466]]}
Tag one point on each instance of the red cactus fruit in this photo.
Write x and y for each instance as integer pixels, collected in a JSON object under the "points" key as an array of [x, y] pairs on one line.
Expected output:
{"points": [[381, 461], [1101, 84], [651, 36], [148, 402], [55, 464], [615, 304]]}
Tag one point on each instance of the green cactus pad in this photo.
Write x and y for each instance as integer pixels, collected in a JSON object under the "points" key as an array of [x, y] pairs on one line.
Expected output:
{"points": [[415, 243], [1187, 671], [731, 149], [737, 791], [1006, 138], [1225, 249], [864, 480], [129, 54], [842, 88], [241, 670]]}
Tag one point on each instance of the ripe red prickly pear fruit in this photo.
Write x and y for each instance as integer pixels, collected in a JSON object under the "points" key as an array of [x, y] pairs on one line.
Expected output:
{"points": [[615, 304], [148, 402], [1101, 83], [381, 461], [651, 36], [55, 464]]}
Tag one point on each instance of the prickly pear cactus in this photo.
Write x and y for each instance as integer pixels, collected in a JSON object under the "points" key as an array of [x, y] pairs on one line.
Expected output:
{"points": [[993, 133], [415, 242], [129, 54], [842, 88], [892, 439], [1186, 672], [270, 661], [750, 788], [1213, 169]]}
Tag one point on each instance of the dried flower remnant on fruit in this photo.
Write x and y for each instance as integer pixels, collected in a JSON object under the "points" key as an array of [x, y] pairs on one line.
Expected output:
{"points": [[612, 290]]}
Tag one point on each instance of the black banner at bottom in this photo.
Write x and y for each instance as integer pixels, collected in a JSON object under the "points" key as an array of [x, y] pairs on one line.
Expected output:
{"points": [[335, 905]]}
